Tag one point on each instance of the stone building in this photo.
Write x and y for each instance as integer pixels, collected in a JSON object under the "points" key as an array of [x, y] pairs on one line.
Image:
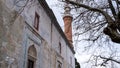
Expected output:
{"points": [[30, 36]]}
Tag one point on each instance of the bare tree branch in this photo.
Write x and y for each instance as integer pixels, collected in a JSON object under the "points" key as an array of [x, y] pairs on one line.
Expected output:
{"points": [[109, 59], [112, 8], [108, 18]]}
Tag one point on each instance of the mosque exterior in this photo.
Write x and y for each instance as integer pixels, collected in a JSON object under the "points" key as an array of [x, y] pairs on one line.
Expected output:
{"points": [[30, 36]]}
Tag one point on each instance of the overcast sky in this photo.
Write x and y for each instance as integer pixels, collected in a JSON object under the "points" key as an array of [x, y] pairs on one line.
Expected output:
{"points": [[58, 11]]}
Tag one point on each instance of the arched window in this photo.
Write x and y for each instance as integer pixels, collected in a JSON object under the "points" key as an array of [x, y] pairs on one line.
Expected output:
{"points": [[59, 47], [59, 64], [32, 56]]}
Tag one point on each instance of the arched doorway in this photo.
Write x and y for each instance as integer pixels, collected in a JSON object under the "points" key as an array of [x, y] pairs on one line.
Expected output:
{"points": [[32, 56]]}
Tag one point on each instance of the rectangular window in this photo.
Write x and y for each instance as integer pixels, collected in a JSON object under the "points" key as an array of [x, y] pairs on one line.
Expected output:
{"points": [[30, 64], [36, 21], [59, 47], [70, 60]]}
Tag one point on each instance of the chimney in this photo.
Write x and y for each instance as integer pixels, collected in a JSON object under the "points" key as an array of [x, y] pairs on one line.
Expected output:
{"points": [[67, 17]]}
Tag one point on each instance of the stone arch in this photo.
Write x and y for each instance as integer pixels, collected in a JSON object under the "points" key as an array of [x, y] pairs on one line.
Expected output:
{"points": [[32, 51], [32, 57]]}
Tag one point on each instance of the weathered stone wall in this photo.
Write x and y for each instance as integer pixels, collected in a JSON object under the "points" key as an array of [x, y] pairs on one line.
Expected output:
{"points": [[11, 33], [17, 34]]}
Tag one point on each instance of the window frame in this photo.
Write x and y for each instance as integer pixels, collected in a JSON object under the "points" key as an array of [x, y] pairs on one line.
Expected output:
{"points": [[59, 64], [29, 63], [60, 48], [36, 21], [31, 57]]}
